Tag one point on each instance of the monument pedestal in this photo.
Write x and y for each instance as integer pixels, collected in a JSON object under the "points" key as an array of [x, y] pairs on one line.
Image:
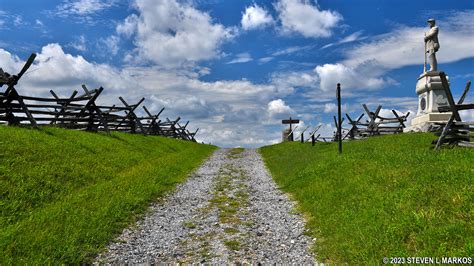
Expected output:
{"points": [[285, 134], [431, 95]]}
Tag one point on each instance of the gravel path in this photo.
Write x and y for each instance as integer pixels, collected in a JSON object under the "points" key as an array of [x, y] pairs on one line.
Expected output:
{"points": [[229, 210]]}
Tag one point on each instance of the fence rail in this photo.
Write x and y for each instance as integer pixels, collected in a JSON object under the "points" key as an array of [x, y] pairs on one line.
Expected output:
{"points": [[455, 131], [81, 112]]}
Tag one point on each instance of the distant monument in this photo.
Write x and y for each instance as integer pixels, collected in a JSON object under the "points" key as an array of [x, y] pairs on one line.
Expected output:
{"points": [[430, 91], [287, 134]]}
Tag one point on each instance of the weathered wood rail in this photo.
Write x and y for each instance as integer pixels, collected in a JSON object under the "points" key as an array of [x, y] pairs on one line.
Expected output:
{"points": [[455, 131], [376, 125], [81, 112]]}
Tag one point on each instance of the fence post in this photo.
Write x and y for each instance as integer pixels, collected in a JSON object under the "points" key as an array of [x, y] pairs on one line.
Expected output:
{"points": [[302, 140], [339, 124], [312, 140]]}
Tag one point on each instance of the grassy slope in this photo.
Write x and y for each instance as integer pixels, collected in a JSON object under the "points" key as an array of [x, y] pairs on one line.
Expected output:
{"points": [[64, 194], [383, 197]]}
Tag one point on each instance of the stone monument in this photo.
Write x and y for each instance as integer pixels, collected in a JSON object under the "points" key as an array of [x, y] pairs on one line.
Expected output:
{"points": [[287, 133], [430, 91]]}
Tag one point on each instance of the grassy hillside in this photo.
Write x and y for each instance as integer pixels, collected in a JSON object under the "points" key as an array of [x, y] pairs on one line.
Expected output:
{"points": [[383, 197], [64, 194]]}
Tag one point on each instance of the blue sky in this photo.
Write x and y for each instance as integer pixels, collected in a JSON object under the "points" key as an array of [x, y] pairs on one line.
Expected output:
{"points": [[236, 68]]}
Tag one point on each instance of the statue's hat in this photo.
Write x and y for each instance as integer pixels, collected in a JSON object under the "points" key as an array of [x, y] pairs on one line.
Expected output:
{"points": [[431, 20]]}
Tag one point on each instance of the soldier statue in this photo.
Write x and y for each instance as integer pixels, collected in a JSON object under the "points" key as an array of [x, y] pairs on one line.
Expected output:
{"points": [[432, 44]]}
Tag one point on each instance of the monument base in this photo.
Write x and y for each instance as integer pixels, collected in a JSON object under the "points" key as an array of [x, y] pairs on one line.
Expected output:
{"points": [[427, 122], [431, 96], [285, 135]]}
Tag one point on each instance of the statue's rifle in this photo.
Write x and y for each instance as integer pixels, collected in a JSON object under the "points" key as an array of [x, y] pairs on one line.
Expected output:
{"points": [[424, 51]]}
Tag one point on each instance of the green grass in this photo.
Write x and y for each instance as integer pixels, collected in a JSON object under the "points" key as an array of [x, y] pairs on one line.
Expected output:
{"points": [[232, 244], [235, 152], [231, 230], [383, 197], [65, 194], [189, 224]]}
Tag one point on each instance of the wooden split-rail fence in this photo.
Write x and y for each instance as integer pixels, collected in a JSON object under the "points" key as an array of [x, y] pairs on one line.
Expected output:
{"points": [[455, 131], [80, 111], [376, 124]]}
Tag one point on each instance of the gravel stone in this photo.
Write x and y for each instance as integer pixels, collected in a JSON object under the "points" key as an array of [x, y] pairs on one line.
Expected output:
{"points": [[228, 211]]}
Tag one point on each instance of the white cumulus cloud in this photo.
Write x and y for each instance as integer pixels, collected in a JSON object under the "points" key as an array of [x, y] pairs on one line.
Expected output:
{"points": [[111, 44], [55, 69], [331, 74], [277, 108], [128, 26], [330, 108], [9, 62], [170, 33], [286, 82], [255, 17], [306, 18]]}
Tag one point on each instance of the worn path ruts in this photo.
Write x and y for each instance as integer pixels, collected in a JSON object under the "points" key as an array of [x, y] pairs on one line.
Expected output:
{"points": [[229, 210]]}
